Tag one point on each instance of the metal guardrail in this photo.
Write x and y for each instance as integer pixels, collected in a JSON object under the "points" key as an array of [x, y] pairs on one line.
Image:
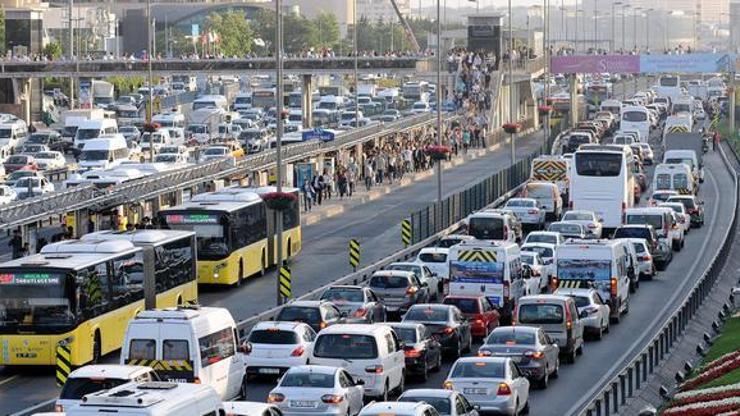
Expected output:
{"points": [[361, 276], [615, 392], [41, 208]]}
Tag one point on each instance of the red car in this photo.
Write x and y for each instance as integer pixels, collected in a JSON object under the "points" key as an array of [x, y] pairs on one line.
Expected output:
{"points": [[18, 162], [478, 310]]}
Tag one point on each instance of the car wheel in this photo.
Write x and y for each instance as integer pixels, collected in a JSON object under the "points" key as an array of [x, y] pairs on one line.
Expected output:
{"points": [[424, 372], [600, 333], [243, 388], [545, 380], [438, 365], [525, 409], [556, 371]]}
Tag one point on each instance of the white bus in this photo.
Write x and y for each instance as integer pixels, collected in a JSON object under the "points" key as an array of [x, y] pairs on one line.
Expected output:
{"points": [[636, 118], [669, 86], [602, 181]]}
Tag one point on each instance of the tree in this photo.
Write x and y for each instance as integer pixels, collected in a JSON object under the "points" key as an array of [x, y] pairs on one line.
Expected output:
{"points": [[53, 50], [2, 31], [327, 29], [233, 30], [299, 33]]}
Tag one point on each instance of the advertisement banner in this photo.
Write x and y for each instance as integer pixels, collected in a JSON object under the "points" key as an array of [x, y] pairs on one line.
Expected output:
{"points": [[84, 94], [595, 64], [687, 63]]}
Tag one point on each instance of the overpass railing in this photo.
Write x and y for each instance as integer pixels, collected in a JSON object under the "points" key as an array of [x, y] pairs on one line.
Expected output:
{"points": [[43, 207]]}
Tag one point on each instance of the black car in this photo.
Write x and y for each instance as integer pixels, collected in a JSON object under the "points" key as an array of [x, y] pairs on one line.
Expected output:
{"points": [[661, 252], [49, 138], [422, 349], [318, 314], [447, 323]]}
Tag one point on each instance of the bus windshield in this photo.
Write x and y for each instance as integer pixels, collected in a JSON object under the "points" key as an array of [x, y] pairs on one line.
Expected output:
{"points": [[33, 299], [598, 164], [210, 234], [634, 116]]}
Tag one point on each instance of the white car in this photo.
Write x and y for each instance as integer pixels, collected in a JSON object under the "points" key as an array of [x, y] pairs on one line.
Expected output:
{"points": [[435, 258], [591, 309], [493, 383], [594, 224], [317, 390], [550, 237], [93, 378], [171, 158], [425, 275], [50, 160], [251, 409], [7, 194], [399, 409], [678, 236], [647, 153], [540, 272], [420, 107], [28, 187], [212, 153], [645, 266], [527, 211], [274, 347], [660, 196], [447, 402], [683, 217]]}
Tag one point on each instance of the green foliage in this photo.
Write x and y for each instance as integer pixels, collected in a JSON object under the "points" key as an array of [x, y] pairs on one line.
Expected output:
{"points": [[124, 84], [327, 29], [2, 31], [53, 50], [234, 30]]}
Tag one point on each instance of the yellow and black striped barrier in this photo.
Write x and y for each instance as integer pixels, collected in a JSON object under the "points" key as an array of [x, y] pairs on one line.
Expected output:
{"points": [[64, 363], [286, 289], [406, 232], [163, 365], [354, 253], [678, 129], [573, 284], [477, 256], [715, 122]]}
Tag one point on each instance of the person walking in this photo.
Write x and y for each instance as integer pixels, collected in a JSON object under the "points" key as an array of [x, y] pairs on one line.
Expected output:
{"points": [[715, 140], [308, 194], [16, 244], [342, 183], [353, 172], [369, 174]]}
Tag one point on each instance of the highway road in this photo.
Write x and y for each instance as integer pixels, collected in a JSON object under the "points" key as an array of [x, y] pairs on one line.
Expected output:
{"points": [[323, 259]]}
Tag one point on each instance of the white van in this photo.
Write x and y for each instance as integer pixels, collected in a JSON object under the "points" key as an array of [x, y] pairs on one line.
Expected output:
{"points": [[92, 129], [105, 152], [674, 177], [602, 264], [170, 119], [12, 135], [154, 398], [92, 378], [371, 353], [688, 158], [491, 225], [661, 218], [211, 101], [188, 344], [491, 269], [612, 106], [158, 139]]}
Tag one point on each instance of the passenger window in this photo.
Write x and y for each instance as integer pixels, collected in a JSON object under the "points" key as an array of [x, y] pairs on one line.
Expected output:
{"points": [[175, 350], [309, 335], [597, 299], [459, 406], [142, 349], [127, 280], [345, 380], [95, 293], [216, 347], [514, 371], [389, 343], [468, 407], [330, 313]]}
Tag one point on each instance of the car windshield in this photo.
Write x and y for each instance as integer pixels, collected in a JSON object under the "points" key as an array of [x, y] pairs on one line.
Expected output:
{"points": [[511, 337], [46, 155], [687, 202], [433, 257], [273, 336], [520, 203], [656, 220], [84, 134], [343, 295], [478, 369], [567, 229], [634, 116], [218, 151], [540, 313], [661, 196], [528, 258], [581, 301], [308, 379], [77, 387], [441, 404], [578, 216], [17, 160], [165, 158], [407, 335], [466, 305], [448, 242], [308, 315], [389, 281], [345, 346], [5, 133], [426, 314], [38, 138], [486, 228], [95, 155], [541, 238], [28, 183], [416, 269]]}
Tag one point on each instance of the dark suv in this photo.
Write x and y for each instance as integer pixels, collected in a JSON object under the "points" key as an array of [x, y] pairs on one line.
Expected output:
{"points": [[662, 253]]}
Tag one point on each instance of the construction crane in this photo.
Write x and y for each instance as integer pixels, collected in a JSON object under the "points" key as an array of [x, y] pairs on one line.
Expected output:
{"points": [[407, 28]]}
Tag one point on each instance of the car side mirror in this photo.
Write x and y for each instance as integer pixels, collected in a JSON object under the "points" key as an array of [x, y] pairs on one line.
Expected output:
{"points": [[245, 347], [583, 315], [476, 407], [359, 382], [344, 314]]}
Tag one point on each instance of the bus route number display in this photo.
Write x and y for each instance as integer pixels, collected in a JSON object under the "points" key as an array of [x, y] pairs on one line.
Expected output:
{"points": [[28, 279], [192, 219]]}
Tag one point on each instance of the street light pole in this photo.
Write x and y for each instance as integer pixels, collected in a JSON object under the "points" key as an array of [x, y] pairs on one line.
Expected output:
{"points": [[438, 92], [511, 88], [575, 35], [614, 36], [546, 40], [596, 28], [356, 52], [647, 29], [624, 26], [71, 55], [150, 109], [279, 138]]}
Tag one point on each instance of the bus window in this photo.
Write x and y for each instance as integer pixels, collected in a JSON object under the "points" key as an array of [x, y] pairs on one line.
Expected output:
{"points": [[634, 116], [663, 181], [598, 164], [34, 299], [142, 349]]}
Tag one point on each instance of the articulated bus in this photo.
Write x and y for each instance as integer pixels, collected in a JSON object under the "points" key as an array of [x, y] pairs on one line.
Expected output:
{"points": [[602, 181], [83, 293], [235, 232]]}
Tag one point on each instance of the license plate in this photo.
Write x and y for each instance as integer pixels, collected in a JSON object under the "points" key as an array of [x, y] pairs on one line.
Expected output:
{"points": [[302, 403], [269, 371], [474, 391]]}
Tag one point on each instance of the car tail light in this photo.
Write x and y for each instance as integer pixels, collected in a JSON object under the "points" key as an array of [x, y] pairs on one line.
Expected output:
{"points": [[645, 257], [332, 398], [412, 353], [447, 385], [412, 290], [448, 330], [376, 369], [592, 225], [478, 321], [323, 324], [275, 398], [196, 380], [532, 211], [613, 286], [58, 408], [503, 389], [298, 351], [568, 318], [535, 355], [360, 313]]}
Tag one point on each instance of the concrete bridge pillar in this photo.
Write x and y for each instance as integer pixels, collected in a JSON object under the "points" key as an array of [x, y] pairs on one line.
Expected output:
{"points": [[306, 102]]}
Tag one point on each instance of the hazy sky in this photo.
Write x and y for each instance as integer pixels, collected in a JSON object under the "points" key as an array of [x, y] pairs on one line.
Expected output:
{"points": [[484, 3]]}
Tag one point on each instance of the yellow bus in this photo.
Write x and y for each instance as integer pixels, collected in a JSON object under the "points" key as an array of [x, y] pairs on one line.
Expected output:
{"points": [[83, 293], [235, 232]]}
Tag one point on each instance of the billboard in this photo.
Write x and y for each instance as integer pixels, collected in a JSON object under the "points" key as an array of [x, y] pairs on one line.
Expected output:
{"points": [[689, 63]]}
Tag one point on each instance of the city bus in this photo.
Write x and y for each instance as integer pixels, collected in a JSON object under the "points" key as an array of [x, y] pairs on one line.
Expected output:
{"points": [[263, 98], [232, 228], [83, 293], [669, 86], [602, 181], [636, 118]]}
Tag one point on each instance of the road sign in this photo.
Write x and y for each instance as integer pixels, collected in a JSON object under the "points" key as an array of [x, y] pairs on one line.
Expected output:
{"points": [[354, 253], [406, 232], [285, 282], [64, 363]]}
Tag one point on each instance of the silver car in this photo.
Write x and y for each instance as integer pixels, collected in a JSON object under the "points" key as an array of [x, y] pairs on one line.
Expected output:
{"points": [[645, 265], [317, 390], [493, 383], [424, 274], [528, 212], [591, 308], [530, 347], [594, 225], [358, 304], [447, 402]]}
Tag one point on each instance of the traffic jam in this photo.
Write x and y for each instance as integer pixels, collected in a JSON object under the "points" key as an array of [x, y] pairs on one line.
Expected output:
{"points": [[499, 305]]}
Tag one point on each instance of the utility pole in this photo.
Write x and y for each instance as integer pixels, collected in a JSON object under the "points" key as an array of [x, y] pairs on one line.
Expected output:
{"points": [[613, 42], [438, 93], [71, 54], [624, 26], [279, 137], [596, 28], [354, 47], [511, 88], [150, 109], [634, 25]]}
